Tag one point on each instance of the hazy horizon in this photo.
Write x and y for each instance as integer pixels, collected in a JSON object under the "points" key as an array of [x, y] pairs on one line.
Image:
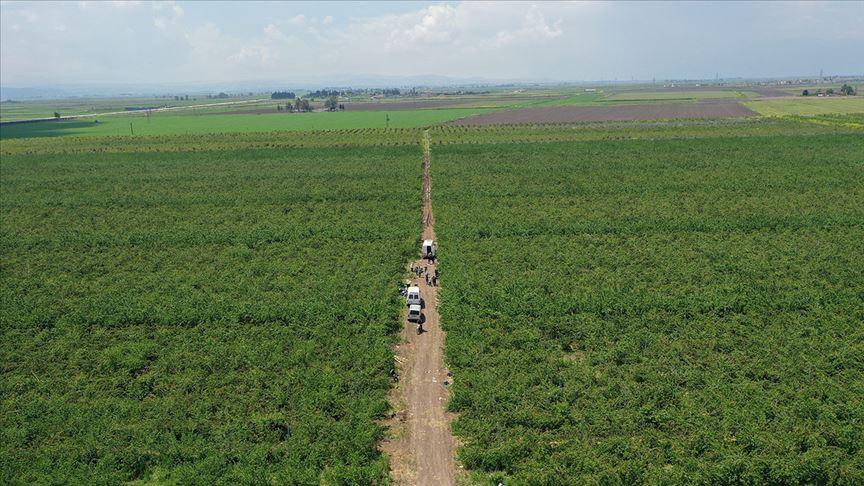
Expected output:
{"points": [[146, 43]]}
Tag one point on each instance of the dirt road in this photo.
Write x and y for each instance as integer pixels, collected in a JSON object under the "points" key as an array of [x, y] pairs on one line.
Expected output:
{"points": [[421, 448]]}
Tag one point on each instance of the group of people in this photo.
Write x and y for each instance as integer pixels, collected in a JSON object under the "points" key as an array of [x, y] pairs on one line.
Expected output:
{"points": [[431, 279]]}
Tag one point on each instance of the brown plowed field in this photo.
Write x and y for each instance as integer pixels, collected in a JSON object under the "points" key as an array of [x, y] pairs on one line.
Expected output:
{"points": [[652, 111]]}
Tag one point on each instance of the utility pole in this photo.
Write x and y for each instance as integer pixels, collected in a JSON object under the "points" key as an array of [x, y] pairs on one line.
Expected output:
{"points": [[387, 119]]}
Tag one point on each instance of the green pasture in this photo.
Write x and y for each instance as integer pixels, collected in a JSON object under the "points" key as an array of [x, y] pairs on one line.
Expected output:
{"points": [[171, 123]]}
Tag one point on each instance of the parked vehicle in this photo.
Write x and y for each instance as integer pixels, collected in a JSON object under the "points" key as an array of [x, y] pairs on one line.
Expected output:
{"points": [[414, 296], [415, 313], [428, 249]]}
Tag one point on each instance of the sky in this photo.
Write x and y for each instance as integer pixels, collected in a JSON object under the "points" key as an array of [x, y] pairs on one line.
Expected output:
{"points": [[45, 43]]}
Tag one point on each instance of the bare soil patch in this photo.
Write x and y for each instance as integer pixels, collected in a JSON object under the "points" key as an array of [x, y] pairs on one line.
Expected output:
{"points": [[564, 114]]}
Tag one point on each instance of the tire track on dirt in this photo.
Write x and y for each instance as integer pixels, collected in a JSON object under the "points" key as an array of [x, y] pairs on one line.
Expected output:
{"points": [[421, 448]]}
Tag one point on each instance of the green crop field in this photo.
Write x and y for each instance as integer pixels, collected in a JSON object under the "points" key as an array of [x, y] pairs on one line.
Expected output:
{"points": [[182, 315], [171, 123], [675, 95], [22, 110], [796, 91], [667, 311], [569, 99], [651, 130], [675, 302], [808, 106]]}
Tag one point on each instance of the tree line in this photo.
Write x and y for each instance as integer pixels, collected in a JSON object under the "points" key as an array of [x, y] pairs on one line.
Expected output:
{"points": [[325, 93], [302, 105], [845, 90]]}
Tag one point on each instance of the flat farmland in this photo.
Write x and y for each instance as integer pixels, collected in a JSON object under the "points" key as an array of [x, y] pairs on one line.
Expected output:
{"points": [[176, 124], [808, 105], [21, 110], [677, 95], [566, 114], [655, 311], [453, 102], [211, 316], [644, 130]]}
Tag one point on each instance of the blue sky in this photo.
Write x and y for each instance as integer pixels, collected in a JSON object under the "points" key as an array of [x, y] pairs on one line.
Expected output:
{"points": [[173, 42]]}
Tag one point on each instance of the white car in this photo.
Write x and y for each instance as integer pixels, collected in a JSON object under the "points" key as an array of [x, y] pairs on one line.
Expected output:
{"points": [[414, 313]]}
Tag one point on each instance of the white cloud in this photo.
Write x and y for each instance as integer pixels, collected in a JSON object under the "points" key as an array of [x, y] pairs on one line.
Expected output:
{"points": [[112, 3], [273, 32], [535, 27], [435, 25], [110, 40], [170, 16], [297, 20]]}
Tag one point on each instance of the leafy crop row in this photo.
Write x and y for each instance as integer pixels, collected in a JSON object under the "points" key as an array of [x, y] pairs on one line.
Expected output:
{"points": [[200, 317], [466, 134], [661, 312], [361, 137]]}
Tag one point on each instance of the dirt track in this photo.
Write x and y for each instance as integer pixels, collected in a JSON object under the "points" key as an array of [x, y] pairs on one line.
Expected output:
{"points": [[420, 445], [645, 111]]}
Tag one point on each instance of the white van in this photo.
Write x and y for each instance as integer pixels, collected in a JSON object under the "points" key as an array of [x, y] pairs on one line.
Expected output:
{"points": [[414, 295], [414, 313], [428, 249]]}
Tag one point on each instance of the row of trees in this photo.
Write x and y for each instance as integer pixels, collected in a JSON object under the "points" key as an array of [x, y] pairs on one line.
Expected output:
{"points": [[326, 93], [299, 105], [332, 104], [845, 90], [303, 105], [283, 95]]}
